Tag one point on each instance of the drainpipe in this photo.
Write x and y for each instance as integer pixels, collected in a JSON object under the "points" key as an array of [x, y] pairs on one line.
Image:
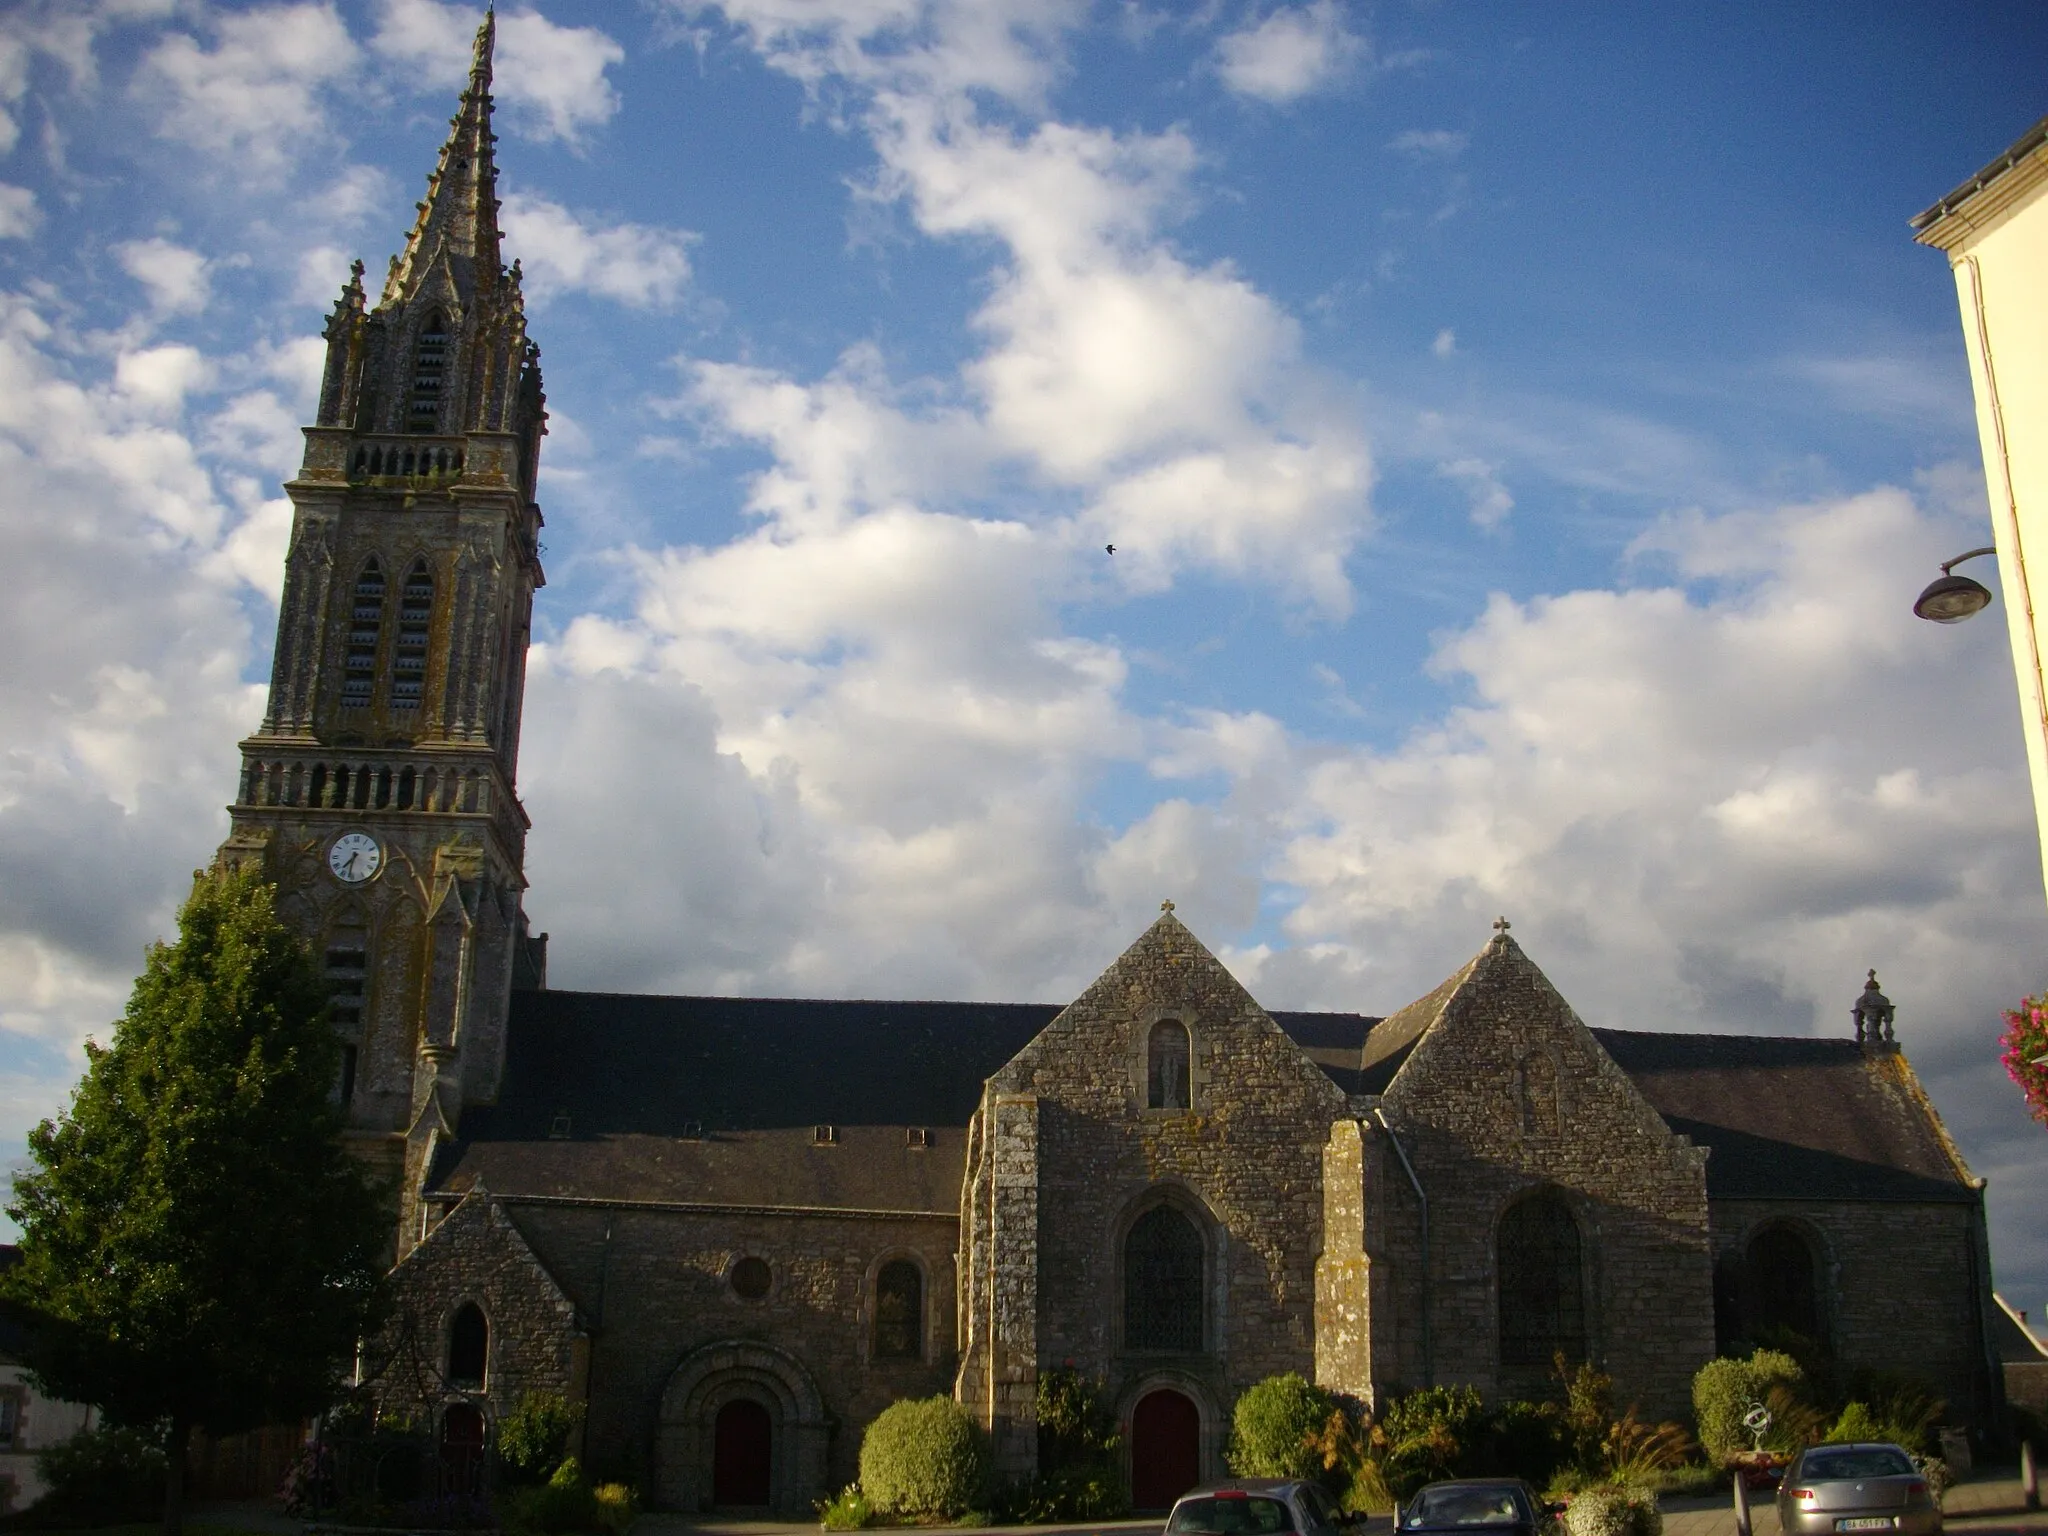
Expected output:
{"points": [[1428, 1349]]}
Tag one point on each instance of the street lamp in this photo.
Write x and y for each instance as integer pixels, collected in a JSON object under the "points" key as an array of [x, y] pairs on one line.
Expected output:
{"points": [[1950, 599]]}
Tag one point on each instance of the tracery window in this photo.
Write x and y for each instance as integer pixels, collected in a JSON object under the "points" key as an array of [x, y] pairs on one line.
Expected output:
{"points": [[469, 1346], [429, 368], [1542, 1285], [1166, 1066], [409, 655], [366, 624], [899, 1311], [1781, 1285], [1163, 1283]]}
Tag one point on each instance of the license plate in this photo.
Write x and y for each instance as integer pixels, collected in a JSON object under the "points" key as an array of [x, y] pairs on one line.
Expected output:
{"points": [[1868, 1523]]}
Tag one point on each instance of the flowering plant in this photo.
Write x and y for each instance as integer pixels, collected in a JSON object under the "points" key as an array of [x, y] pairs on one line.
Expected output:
{"points": [[2026, 1052]]}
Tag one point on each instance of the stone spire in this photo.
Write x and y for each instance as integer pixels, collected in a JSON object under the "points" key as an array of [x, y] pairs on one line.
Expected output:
{"points": [[459, 218]]}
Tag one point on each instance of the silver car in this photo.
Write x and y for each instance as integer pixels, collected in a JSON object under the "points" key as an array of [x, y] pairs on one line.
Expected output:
{"points": [[1862, 1487], [1260, 1506]]}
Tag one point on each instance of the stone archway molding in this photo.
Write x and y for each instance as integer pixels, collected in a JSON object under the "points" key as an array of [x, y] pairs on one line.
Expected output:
{"points": [[706, 1380]]}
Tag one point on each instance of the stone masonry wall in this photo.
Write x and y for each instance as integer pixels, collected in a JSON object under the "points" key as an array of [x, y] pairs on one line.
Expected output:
{"points": [[1244, 1163], [1508, 1092], [657, 1286], [1900, 1287]]}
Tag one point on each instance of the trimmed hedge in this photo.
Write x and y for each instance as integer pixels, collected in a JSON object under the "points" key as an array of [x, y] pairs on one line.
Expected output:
{"points": [[1273, 1424], [1723, 1390], [923, 1456]]}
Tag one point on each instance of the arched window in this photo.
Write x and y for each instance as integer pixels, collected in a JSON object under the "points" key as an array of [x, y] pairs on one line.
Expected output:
{"points": [[429, 368], [1542, 1286], [469, 1347], [1783, 1293], [899, 1311], [409, 655], [366, 623], [1166, 1066], [1163, 1283]]}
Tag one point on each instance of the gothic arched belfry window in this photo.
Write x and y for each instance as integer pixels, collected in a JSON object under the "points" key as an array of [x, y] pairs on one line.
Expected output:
{"points": [[1166, 1066], [1163, 1283], [409, 655], [365, 625], [429, 371], [1542, 1286]]}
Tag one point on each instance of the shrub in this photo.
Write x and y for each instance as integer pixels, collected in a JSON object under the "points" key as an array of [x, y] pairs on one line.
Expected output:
{"points": [[923, 1457], [1080, 1470], [1588, 1410], [848, 1510], [1634, 1453], [1724, 1390], [1527, 1441], [617, 1505], [1428, 1436], [102, 1475], [533, 1439], [1275, 1425], [565, 1502], [1857, 1423], [1614, 1511]]}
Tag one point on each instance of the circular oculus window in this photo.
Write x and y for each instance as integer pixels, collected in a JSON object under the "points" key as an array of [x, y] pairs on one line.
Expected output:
{"points": [[750, 1278]]}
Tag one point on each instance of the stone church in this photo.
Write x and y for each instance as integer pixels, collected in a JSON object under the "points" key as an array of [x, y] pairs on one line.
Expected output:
{"points": [[737, 1228]]}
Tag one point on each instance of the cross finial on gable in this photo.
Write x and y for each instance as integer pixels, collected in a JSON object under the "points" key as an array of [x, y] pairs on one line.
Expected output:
{"points": [[1166, 906], [1501, 925]]}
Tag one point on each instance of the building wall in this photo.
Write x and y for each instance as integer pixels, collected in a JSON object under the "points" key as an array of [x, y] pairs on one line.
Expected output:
{"points": [[1900, 1288], [1997, 242], [1243, 1163], [39, 1423]]}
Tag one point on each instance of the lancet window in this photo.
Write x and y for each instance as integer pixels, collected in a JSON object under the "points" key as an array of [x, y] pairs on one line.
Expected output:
{"points": [[409, 655], [429, 369], [1163, 1283], [1166, 1066], [1542, 1286], [469, 1346], [899, 1311], [1783, 1294], [366, 624]]}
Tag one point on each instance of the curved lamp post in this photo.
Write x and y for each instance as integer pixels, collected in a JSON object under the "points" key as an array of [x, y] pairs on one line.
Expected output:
{"points": [[1949, 599]]}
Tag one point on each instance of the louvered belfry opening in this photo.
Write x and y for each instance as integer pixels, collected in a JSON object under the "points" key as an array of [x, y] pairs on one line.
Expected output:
{"points": [[1542, 1287], [1163, 1283], [366, 625], [429, 371], [409, 655]]}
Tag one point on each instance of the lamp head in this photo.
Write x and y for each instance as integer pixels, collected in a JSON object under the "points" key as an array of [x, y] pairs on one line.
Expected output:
{"points": [[1950, 599]]}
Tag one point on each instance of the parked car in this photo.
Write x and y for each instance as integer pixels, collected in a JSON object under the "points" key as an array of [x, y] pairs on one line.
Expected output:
{"points": [[1258, 1506], [1501, 1506], [1860, 1487]]}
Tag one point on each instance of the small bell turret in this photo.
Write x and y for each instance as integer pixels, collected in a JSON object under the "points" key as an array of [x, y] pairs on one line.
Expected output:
{"points": [[1873, 1015]]}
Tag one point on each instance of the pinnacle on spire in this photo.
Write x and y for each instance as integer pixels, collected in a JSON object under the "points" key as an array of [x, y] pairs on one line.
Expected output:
{"points": [[459, 218]]}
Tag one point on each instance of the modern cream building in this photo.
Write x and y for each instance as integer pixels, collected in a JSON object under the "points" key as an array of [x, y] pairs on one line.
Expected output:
{"points": [[1994, 228]]}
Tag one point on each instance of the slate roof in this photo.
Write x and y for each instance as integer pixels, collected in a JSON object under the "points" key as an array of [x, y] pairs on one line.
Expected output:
{"points": [[716, 1100]]}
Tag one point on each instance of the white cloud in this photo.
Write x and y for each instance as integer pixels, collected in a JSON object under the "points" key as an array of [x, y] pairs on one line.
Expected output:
{"points": [[1446, 343], [1430, 143], [174, 275], [638, 265], [158, 378], [19, 216], [1491, 502], [255, 95], [550, 79], [1294, 52]]}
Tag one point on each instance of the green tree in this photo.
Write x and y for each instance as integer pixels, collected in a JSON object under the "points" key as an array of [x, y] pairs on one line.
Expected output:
{"points": [[197, 1250]]}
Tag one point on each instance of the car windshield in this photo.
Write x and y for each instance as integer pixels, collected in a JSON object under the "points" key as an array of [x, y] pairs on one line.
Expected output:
{"points": [[1463, 1506], [1241, 1515], [1838, 1466]]}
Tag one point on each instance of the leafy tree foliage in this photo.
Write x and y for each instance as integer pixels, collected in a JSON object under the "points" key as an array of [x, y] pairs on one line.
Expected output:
{"points": [[2025, 1052], [198, 1251]]}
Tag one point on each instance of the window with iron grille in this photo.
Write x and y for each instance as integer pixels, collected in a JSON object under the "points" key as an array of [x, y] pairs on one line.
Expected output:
{"points": [[899, 1311], [1542, 1285], [366, 624], [1163, 1283], [1166, 1066]]}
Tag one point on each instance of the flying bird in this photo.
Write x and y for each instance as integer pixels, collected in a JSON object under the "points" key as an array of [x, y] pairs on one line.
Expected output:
{"points": [[1109, 549]]}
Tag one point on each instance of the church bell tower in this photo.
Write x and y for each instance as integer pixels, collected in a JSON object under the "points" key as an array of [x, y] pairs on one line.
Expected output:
{"points": [[379, 792]]}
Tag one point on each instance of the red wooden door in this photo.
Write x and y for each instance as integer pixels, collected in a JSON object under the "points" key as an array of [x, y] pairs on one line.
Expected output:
{"points": [[462, 1450], [1166, 1449], [742, 1444]]}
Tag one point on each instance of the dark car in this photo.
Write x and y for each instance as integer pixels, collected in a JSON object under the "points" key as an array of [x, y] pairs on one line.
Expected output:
{"points": [[1500, 1506], [1258, 1507], [1862, 1487]]}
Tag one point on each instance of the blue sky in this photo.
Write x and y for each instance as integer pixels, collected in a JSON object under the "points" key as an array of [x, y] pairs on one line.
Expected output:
{"points": [[1522, 435]]}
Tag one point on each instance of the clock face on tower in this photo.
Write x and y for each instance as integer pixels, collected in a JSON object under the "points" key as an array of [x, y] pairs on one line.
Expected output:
{"points": [[355, 857]]}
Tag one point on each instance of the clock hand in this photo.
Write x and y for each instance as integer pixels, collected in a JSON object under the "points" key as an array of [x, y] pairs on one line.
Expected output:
{"points": [[350, 867]]}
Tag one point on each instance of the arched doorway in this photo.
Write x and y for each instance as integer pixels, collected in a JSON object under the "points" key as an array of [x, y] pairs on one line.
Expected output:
{"points": [[742, 1453], [1166, 1448], [462, 1450]]}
